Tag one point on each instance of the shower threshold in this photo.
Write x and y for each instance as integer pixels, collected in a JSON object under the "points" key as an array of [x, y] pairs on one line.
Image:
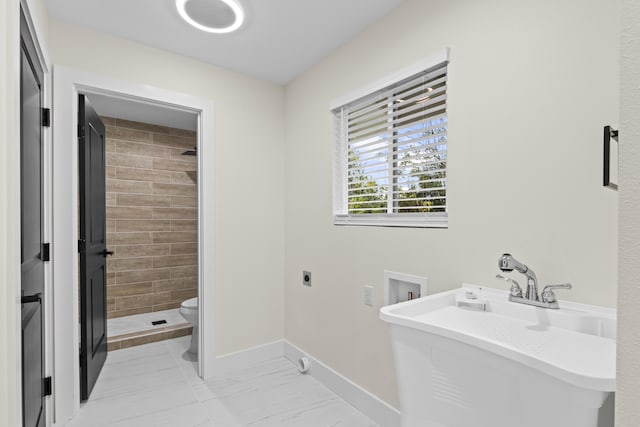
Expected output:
{"points": [[129, 331]]}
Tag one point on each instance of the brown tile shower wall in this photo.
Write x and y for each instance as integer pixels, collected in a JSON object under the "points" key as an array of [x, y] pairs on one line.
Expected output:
{"points": [[152, 210]]}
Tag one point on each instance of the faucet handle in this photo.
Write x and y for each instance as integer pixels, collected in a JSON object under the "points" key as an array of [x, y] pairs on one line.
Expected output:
{"points": [[549, 296], [516, 290]]}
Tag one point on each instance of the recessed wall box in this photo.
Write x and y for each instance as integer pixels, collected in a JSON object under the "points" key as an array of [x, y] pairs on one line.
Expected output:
{"points": [[399, 287], [306, 278]]}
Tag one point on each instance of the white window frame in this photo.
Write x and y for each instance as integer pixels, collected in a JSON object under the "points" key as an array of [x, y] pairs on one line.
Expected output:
{"points": [[340, 179]]}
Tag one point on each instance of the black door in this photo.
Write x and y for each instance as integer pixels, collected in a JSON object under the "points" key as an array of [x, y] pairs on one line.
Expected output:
{"points": [[93, 253], [31, 232]]}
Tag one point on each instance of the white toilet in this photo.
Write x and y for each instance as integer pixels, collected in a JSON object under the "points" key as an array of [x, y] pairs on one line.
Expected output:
{"points": [[189, 310]]}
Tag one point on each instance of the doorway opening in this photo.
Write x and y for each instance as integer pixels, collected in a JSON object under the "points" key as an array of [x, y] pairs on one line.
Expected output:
{"points": [[69, 84], [138, 229]]}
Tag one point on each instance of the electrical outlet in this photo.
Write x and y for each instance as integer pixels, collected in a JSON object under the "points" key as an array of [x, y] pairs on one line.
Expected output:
{"points": [[306, 278], [368, 296]]}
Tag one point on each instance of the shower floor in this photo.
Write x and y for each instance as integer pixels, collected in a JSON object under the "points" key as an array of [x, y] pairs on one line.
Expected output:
{"points": [[129, 331]]}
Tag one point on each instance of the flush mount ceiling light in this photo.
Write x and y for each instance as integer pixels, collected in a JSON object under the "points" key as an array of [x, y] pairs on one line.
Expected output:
{"points": [[212, 16]]}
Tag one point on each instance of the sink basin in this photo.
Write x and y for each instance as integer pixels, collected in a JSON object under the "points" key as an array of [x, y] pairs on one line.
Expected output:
{"points": [[469, 357]]}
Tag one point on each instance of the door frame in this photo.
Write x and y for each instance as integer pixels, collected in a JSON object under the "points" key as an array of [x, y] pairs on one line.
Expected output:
{"points": [[67, 84]]}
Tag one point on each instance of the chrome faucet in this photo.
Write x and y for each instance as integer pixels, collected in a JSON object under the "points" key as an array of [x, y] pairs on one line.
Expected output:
{"points": [[546, 300], [509, 263]]}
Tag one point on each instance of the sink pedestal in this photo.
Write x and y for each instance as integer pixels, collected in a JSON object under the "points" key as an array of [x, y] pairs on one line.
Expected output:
{"points": [[444, 383]]}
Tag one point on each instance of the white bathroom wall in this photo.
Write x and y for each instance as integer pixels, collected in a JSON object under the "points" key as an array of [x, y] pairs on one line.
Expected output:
{"points": [[531, 84], [249, 189], [9, 210], [627, 410]]}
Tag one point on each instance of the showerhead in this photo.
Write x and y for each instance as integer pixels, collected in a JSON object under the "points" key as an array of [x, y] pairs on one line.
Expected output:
{"points": [[193, 152]]}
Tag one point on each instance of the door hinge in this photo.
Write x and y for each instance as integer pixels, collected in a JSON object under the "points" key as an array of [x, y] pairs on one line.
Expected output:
{"points": [[46, 117], [46, 252], [81, 245], [47, 385], [80, 131]]}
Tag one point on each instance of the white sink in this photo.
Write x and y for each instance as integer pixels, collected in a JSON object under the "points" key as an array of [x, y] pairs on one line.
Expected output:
{"points": [[490, 362]]}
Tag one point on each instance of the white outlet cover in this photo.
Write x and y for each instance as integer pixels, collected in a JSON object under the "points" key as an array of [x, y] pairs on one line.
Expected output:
{"points": [[368, 296]]}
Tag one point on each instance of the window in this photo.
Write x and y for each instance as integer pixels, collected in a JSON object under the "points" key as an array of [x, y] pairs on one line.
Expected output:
{"points": [[391, 154]]}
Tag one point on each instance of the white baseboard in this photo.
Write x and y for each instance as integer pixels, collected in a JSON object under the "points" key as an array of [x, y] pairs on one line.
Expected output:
{"points": [[249, 357], [370, 405]]}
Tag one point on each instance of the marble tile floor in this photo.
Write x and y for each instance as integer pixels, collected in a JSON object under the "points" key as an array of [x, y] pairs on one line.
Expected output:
{"points": [[142, 322], [157, 385]]}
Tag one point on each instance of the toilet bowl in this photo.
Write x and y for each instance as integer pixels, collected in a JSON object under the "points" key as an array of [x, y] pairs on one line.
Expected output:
{"points": [[189, 310]]}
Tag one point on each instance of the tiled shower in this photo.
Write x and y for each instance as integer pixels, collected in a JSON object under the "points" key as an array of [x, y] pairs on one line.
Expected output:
{"points": [[152, 211]]}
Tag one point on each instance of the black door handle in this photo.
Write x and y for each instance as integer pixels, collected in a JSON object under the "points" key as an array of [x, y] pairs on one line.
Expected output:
{"points": [[31, 298], [106, 252]]}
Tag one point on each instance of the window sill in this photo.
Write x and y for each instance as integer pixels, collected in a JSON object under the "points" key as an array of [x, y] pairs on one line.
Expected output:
{"points": [[408, 221]]}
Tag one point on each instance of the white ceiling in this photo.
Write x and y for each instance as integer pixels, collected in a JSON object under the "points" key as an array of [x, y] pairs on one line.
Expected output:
{"points": [[143, 112], [279, 40]]}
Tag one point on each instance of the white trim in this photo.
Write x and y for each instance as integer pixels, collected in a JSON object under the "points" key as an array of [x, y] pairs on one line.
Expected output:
{"points": [[249, 357], [67, 83], [405, 220], [11, 239], [372, 406], [435, 58], [43, 57], [48, 238]]}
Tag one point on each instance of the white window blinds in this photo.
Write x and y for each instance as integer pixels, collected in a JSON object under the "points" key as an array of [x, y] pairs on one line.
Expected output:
{"points": [[391, 154]]}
